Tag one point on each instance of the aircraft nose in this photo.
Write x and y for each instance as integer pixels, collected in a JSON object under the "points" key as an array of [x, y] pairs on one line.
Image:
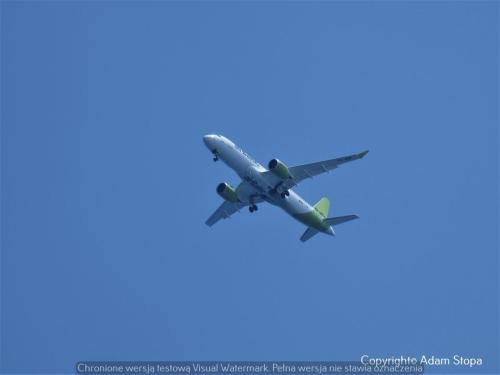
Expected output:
{"points": [[208, 140]]}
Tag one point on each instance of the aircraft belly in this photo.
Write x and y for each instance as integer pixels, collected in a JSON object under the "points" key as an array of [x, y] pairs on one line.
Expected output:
{"points": [[258, 185], [234, 160], [246, 192], [294, 204]]}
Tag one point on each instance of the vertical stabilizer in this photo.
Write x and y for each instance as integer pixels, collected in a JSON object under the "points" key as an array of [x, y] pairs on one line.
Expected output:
{"points": [[322, 206]]}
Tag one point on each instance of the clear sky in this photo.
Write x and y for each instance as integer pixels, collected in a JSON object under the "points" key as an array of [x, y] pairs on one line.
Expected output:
{"points": [[106, 183]]}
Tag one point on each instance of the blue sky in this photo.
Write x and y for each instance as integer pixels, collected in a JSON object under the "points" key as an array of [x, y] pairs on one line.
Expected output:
{"points": [[106, 183]]}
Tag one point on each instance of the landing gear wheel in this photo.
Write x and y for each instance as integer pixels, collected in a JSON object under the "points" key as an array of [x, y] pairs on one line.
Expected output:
{"points": [[253, 208], [285, 193], [216, 157]]}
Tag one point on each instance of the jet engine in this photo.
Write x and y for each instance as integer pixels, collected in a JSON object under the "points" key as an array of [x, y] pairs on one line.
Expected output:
{"points": [[227, 192], [279, 168]]}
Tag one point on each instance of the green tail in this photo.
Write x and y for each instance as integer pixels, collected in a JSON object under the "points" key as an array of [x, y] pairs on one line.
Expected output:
{"points": [[322, 206]]}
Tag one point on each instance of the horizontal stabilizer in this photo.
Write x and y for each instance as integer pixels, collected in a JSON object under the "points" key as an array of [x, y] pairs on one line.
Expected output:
{"points": [[340, 219], [310, 232]]}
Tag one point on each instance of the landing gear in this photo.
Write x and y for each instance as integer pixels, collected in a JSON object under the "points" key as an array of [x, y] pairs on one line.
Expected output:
{"points": [[285, 193], [216, 157], [253, 208]]}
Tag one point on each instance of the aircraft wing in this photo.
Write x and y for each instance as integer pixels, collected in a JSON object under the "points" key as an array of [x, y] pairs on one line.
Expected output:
{"points": [[301, 172], [225, 210], [246, 195]]}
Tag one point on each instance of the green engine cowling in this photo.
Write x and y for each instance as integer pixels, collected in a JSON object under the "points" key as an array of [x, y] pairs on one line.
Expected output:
{"points": [[227, 192], [279, 168]]}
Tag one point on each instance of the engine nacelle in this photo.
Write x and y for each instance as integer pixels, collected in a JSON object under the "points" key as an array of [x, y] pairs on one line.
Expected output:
{"points": [[279, 168], [227, 192]]}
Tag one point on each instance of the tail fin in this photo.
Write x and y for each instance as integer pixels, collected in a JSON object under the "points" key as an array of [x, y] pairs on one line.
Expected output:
{"points": [[340, 219], [323, 206]]}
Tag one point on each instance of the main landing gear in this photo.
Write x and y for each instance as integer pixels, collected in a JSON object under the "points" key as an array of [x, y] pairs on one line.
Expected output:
{"points": [[285, 193], [253, 208]]}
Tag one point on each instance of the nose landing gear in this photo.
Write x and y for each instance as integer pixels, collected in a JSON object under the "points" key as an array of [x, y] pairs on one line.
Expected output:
{"points": [[253, 208], [216, 157], [285, 193]]}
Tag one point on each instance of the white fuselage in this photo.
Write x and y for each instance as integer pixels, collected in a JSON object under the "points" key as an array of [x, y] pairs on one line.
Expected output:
{"points": [[251, 171]]}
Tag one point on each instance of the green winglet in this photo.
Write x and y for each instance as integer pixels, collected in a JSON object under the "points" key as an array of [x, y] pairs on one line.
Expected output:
{"points": [[322, 206]]}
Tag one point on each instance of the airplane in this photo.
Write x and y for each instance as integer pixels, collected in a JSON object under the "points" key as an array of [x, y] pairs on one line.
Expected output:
{"points": [[273, 185]]}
